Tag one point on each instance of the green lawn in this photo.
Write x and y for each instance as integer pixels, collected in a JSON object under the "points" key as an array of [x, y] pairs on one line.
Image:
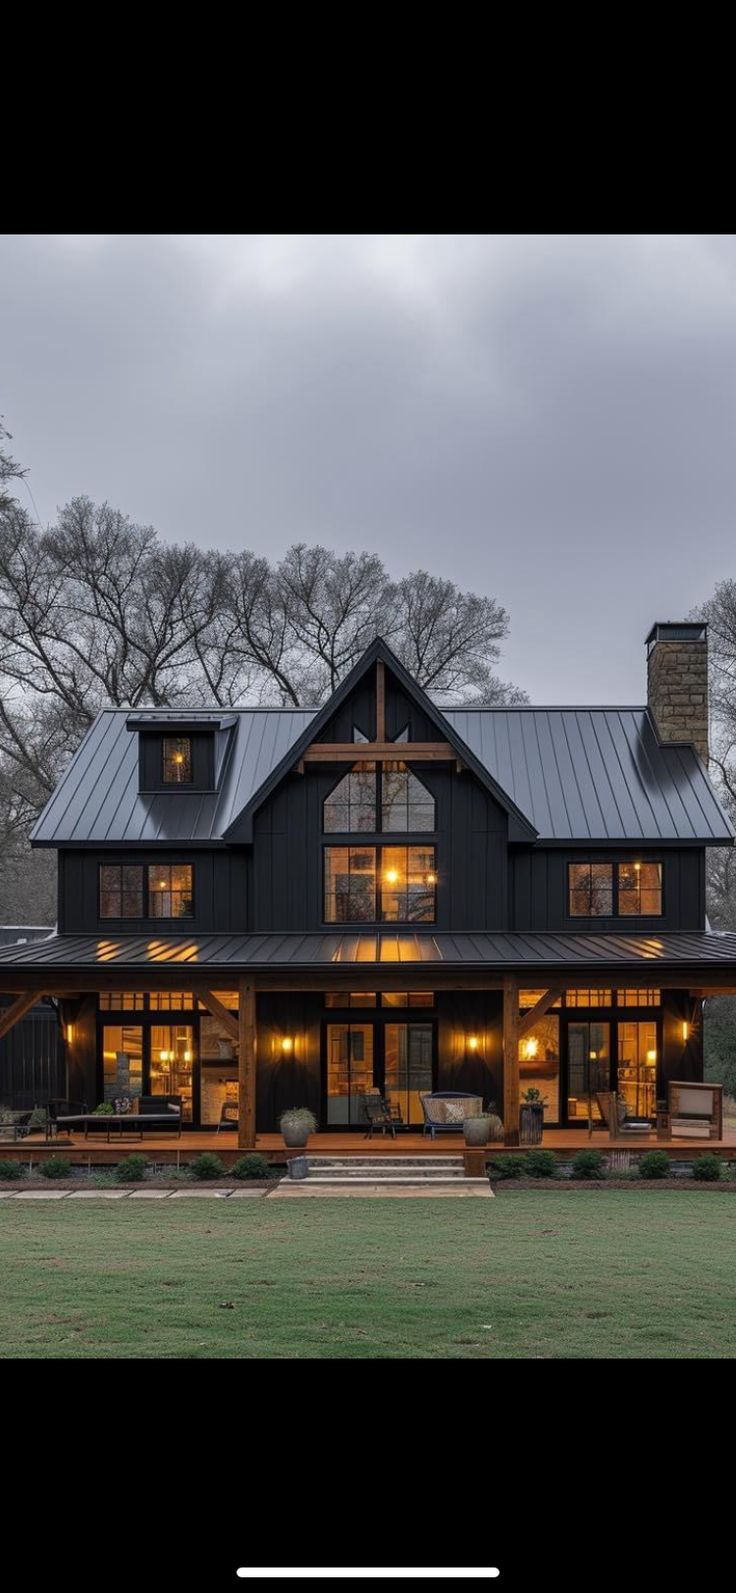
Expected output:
{"points": [[538, 1274]]}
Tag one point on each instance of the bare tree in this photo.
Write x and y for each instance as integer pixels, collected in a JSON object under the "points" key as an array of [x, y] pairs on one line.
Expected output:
{"points": [[9, 469]]}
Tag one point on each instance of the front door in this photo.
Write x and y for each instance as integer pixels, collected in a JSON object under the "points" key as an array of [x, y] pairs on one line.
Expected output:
{"points": [[395, 1058], [588, 1068]]}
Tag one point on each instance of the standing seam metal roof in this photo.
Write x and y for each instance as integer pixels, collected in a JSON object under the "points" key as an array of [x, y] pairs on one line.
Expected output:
{"points": [[583, 775]]}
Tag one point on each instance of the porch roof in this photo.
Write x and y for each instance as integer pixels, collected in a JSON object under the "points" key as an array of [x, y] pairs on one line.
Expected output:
{"points": [[528, 955]]}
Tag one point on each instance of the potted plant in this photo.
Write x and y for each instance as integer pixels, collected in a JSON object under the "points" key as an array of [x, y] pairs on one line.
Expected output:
{"points": [[477, 1129], [296, 1125], [531, 1116]]}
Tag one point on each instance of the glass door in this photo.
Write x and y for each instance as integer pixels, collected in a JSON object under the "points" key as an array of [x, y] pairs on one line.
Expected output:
{"points": [[122, 1061], [637, 1068], [408, 1051], [588, 1068], [349, 1072], [172, 1063]]}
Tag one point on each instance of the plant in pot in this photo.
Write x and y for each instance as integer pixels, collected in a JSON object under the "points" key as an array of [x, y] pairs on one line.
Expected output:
{"points": [[296, 1125], [477, 1128], [531, 1116]]}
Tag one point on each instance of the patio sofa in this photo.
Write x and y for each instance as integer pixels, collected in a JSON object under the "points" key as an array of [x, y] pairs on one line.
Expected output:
{"points": [[445, 1110], [695, 1110]]}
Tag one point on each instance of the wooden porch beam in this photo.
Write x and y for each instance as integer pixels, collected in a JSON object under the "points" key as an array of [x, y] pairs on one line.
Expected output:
{"points": [[510, 1061], [546, 1001], [378, 752], [246, 1064], [380, 700], [216, 1009], [19, 1009]]}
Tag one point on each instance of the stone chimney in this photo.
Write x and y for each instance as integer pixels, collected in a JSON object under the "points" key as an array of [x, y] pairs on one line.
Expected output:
{"points": [[677, 683]]}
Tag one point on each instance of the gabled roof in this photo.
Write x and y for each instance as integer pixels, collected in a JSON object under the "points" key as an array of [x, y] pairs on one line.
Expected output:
{"points": [[565, 775], [520, 828]]}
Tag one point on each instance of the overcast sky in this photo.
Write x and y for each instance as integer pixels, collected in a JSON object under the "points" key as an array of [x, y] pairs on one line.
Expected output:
{"points": [[549, 420]]}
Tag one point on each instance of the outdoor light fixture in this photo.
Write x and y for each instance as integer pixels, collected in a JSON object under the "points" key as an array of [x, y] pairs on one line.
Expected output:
{"points": [[685, 1033], [287, 1044], [472, 1042], [70, 1034]]}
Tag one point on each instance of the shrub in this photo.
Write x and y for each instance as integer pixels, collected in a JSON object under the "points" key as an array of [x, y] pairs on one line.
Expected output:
{"points": [[55, 1167], [253, 1166], [707, 1168], [589, 1164], [10, 1169], [299, 1117], [655, 1164], [208, 1165], [508, 1167], [540, 1163], [133, 1168]]}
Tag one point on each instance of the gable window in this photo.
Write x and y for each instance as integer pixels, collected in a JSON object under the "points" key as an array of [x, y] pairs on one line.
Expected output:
{"points": [[380, 884], [406, 804], [145, 890], [352, 804], [613, 890], [177, 760], [590, 890], [389, 799], [640, 889]]}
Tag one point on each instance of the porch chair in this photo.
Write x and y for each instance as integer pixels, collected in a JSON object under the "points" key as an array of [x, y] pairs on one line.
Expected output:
{"points": [[614, 1116], [228, 1115], [379, 1114], [695, 1110]]}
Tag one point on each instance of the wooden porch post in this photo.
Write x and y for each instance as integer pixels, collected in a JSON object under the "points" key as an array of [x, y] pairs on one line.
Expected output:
{"points": [[510, 1061], [246, 1065]]}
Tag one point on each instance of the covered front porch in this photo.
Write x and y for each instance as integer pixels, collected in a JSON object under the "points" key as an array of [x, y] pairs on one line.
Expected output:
{"points": [[316, 1020]]}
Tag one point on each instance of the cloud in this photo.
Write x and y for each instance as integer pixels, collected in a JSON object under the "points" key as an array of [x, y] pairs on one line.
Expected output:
{"points": [[547, 419]]}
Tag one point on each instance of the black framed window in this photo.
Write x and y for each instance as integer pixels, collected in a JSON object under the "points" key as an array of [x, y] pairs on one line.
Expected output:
{"points": [[375, 800], [380, 884], [640, 889], [177, 760], [614, 890], [590, 890], [146, 890]]}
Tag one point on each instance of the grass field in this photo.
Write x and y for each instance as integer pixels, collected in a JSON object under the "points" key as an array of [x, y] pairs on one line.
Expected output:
{"points": [[532, 1274]]}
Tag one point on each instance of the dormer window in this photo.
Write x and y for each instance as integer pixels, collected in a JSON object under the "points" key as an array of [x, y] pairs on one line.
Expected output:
{"points": [[177, 760]]}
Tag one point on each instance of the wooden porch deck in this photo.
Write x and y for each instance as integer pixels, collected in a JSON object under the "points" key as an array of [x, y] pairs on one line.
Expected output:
{"points": [[167, 1149]]}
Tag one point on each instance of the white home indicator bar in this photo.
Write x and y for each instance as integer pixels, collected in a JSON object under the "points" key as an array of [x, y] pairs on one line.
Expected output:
{"points": [[445, 1573]]}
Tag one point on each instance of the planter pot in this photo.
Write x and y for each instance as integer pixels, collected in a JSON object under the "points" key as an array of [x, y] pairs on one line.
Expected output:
{"points": [[531, 1119], [477, 1130], [295, 1138]]}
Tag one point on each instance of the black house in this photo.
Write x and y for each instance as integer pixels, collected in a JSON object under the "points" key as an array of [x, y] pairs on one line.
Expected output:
{"points": [[302, 905]]}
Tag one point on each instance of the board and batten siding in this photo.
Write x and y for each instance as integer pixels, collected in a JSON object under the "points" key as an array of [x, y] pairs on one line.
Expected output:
{"points": [[538, 888]]}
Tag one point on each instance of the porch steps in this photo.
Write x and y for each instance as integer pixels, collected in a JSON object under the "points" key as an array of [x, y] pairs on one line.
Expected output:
{"points": [[407, 1171]]}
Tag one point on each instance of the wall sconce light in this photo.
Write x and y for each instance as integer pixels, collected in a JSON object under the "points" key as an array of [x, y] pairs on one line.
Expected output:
{"points": [[472, 1042], [70, 1034], [530, 1048], [287, 1044], [685, 1033]]}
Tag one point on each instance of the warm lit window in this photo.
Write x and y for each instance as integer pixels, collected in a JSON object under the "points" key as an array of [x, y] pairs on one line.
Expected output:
{"points": [[121, 890], [588, 998], [352, 804], [639, 998], [389, 884], [406, 804], [170, 890], [171, 1000], [350, 998], [407, 884], [407, 998], [177, 760], [136, 890], [121, 1001], [640, 889], [590, 890], [529, 999]]}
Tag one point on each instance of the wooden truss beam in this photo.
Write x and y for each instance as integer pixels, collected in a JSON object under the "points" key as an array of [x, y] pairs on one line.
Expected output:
{"points": [[227, 1019], [380, 700], [379, 752], [546, 1001], [19, 1009]]}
